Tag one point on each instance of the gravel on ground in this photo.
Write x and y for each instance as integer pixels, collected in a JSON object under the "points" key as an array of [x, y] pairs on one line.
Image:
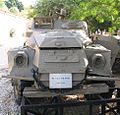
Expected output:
{"points": [[7, 103]]}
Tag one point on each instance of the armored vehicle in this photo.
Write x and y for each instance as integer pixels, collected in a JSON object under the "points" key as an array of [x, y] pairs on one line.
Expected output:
{"points": [[112, 43], [60, 71]]}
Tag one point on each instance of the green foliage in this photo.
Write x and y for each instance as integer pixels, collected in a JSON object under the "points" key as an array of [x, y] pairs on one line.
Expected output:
{"points": [[46, 7], [3, 6], [31, 12], [13, 4], [102, 14]]}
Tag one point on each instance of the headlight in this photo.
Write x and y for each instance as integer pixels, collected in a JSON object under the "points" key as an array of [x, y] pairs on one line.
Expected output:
{"points": [[98, 61], [21, 59]]}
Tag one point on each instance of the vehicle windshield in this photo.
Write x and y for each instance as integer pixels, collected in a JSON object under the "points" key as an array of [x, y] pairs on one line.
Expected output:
{"points": [[43, 23]]}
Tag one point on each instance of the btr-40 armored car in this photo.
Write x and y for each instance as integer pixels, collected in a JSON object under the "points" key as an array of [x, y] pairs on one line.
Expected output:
{"points": [[59, 66]]}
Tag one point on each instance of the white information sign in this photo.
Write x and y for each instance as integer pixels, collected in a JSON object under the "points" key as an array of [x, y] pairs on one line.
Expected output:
{"points": [[61, 80]]}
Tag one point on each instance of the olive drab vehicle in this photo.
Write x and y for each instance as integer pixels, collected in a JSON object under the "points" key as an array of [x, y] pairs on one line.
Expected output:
{"points": [[60, 71]]}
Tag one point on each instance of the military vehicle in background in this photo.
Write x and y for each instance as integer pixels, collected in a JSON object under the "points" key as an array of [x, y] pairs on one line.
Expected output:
{"points": [[60, 71], [112, 43]]}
